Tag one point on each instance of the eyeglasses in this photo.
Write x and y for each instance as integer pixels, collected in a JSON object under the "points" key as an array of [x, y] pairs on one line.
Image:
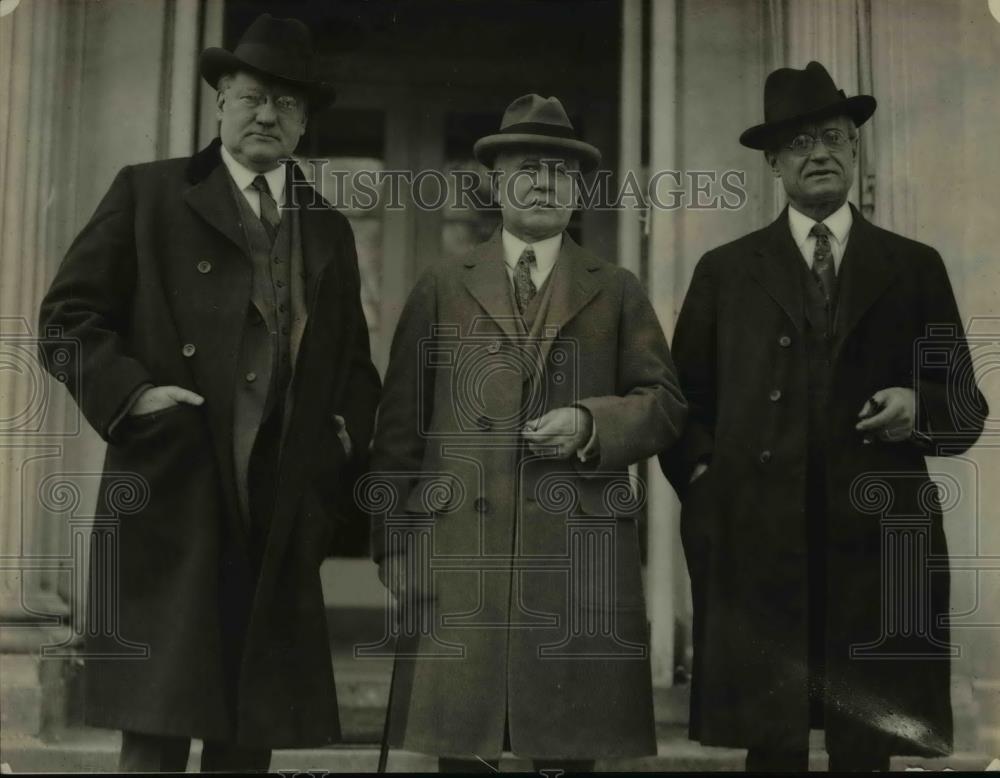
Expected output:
{"points": [[833, 139], [286, 104]]}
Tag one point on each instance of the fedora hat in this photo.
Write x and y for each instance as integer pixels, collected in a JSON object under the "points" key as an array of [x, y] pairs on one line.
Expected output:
{"points": [[537, 122], [280, 49], [792, 96]]}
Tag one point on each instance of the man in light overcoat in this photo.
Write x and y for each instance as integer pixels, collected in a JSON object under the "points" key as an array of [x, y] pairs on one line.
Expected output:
{"points": [[523, 381]]}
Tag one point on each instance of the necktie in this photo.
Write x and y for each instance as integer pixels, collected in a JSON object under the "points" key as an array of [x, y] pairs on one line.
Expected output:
{"points": [[524, 287], [822, 267], [268, 209]]}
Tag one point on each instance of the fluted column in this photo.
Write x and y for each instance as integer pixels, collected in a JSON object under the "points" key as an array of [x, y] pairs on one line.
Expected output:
{"points": [[87, 88]]}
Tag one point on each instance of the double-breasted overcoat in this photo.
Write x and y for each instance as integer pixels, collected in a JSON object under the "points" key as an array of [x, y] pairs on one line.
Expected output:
{"points": [[156, 290], [741, 353], [534, 612]]}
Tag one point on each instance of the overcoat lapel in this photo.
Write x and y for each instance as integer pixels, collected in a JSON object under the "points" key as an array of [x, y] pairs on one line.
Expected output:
{"points": [[487, 281], [212, 199], [866, 271], [776, 267], [575, 285]]}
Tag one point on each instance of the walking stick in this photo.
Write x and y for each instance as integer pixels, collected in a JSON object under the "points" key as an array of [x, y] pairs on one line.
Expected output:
{"points": [[383, 752]]}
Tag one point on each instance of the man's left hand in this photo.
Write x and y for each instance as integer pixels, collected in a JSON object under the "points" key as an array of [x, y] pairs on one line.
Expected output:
{"points": [[895, 416], [559, 433]]}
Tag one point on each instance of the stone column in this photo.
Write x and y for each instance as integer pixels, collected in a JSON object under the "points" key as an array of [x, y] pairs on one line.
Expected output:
{"points": [[88, 88]]}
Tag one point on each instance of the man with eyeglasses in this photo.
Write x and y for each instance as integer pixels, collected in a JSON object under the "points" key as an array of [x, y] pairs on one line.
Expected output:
{"points": [[811, 412], [224, 357]]}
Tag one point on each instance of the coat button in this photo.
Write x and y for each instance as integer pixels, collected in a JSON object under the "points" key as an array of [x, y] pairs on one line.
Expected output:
{"points": [[204, 266], [784, 341], [493, 347], [188, 350], [775, 395], [765, 457], [484, 424], [250, 377], [481, 505]]}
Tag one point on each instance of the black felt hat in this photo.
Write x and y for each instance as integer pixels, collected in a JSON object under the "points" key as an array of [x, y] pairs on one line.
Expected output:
{"points": [[792, 96], [280, 49]]}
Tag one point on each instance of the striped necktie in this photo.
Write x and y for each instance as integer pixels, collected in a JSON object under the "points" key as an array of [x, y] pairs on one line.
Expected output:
{"points": [[822, 266], [524, 287]]}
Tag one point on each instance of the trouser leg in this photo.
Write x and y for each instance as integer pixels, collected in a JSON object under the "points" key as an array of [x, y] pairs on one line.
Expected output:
{"points": [[142, 753], [767, 760], [859, 762], [220, 757]]}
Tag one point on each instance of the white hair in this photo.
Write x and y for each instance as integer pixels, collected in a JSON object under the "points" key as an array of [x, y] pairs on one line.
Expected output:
{"points": [[224, 82]]}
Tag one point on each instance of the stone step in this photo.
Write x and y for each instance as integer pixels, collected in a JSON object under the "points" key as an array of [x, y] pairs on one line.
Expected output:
{"points": [[91, 750]]}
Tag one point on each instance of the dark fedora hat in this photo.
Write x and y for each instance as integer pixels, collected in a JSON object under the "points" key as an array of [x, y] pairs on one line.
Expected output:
{"points": [[792, 96], [540, 122], [280, 49]]}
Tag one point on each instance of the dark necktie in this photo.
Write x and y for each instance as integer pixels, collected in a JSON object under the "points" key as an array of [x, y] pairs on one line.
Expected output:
{"points": [[822, 267], [268, 209], [524, 287]]}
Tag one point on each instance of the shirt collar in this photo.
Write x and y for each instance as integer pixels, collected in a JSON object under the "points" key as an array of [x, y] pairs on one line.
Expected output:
{"points": [[546, 251], [244, 176], [839, 223]]}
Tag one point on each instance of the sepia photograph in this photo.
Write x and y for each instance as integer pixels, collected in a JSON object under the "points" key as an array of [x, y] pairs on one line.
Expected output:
{"points": [[477, 386]]}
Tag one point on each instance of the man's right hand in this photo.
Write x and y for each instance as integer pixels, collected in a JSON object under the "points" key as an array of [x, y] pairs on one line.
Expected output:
{"points": [[158, 398]]}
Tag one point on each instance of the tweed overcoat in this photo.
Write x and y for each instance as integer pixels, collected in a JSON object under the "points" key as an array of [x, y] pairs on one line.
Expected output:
{"points": [[156, 289], [559, 648], [741, 355]]}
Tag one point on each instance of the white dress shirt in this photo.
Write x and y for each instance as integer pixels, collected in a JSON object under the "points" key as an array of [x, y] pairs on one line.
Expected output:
{"points": [[546, 254], [839, 222], [244, 176]]}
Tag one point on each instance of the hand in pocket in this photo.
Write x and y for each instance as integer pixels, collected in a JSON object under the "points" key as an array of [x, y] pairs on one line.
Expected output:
{"points": [[159, 398]]}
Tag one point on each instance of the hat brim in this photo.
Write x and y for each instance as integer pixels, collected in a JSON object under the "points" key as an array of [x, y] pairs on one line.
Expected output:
{"points": [[486, 149], [860, 108], [215, 63]]}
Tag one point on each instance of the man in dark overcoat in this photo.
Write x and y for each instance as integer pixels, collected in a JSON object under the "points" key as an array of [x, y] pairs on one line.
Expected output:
{"points": [[224, 356], [809, 522], [523, 381]]}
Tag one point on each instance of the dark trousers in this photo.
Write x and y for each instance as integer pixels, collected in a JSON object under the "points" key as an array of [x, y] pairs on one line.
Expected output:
{"points": [[167, 754]]}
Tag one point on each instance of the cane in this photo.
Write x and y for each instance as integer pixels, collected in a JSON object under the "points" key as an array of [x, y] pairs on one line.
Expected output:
{"points": [[383, 751]]}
